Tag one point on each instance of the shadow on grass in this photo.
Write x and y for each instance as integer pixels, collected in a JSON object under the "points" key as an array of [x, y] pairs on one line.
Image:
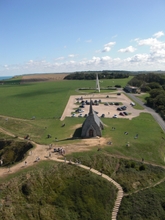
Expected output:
{"points": [[76, 135]]}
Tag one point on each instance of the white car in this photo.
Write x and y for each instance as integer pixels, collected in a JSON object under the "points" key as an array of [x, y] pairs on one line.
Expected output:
{"points": [[73, 115], [115, 116], [132, 103], [80, 115]]}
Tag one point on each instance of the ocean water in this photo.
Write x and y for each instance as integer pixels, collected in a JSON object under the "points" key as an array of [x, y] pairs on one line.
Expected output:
{"points": [[5, 77]]}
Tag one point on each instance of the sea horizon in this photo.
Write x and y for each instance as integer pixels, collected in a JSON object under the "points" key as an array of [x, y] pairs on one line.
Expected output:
{"points": [[5, 77]]}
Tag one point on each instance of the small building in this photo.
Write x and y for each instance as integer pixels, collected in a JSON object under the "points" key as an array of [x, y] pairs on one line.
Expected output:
{"points": [[131, 89], [92, 126]]}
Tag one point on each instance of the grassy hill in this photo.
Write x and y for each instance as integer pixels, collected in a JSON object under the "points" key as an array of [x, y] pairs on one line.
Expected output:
{"points": [[55, 191]]}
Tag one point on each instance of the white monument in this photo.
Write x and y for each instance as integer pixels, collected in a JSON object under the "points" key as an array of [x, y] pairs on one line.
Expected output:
{"points": [[97, 83]]}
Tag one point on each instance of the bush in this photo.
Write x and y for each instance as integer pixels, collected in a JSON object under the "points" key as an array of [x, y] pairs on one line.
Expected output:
{"points": [[142, 167]]}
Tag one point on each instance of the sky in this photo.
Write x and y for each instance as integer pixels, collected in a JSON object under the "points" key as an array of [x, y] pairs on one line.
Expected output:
{"points": [[54, 36]]}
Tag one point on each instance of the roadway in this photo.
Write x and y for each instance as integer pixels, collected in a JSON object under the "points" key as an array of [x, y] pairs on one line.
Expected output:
{"points": [[155, 115]]}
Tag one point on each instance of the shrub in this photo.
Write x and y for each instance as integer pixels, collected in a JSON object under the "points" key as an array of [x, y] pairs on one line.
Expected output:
{"points": [[142, 167]]}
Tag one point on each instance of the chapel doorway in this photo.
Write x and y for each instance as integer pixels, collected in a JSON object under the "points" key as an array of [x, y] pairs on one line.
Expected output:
{"points": [[90, 133]]}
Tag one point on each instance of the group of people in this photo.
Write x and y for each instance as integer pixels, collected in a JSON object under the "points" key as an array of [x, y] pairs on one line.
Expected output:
{"points": [[60, 150], [37, 159]]}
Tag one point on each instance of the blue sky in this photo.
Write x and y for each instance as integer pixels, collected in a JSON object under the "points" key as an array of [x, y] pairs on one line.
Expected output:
{"points": [[49, 36]]}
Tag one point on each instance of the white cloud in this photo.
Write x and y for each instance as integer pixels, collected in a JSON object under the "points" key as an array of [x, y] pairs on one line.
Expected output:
{"points": [[152, 59], [97, 51], [158, 34], [108, 46], [157, 49], [60, 58], [129, 49], [148, 41], [138, 58], [114, 36], [88, 41], [72, 55]]}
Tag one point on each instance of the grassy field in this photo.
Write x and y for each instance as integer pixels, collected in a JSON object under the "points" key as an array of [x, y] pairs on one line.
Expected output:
{"points": [[42, 100]]}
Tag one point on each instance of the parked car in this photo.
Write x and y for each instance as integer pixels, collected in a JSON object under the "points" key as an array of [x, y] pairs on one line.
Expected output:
{"points": [[119, 109], [79, 110], [132, 103], [126, 113], [106, 103], [121, 113], [85, 115], [123, 107], [80, 115], [115, 116], [103, 115], [73, 115]]}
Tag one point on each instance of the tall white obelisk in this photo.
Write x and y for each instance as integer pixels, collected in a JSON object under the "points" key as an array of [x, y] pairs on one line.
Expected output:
{"points": [[97, 83]]}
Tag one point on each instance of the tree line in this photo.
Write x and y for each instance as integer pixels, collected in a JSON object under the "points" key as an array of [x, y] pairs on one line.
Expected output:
{"points": [[91, 75], [154, 84]]}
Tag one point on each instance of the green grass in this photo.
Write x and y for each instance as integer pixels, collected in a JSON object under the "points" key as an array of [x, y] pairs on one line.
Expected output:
{"points": [[42, 100], [143, 96], [149, 145]]}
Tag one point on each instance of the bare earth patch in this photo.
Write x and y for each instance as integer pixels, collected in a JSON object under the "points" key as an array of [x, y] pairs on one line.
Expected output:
{"points": [[43, 77], [86, 144]]}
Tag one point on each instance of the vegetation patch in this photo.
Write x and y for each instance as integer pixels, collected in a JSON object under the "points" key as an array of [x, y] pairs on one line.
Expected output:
{"points": [[148, 204], [154, 84], [12, 151], [130, 174], [56, 191]]}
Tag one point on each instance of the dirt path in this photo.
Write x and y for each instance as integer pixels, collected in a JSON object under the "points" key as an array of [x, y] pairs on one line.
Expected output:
{"points": [[155, 184]]}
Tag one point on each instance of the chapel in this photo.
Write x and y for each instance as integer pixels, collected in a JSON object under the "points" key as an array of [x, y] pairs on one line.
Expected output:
{"points": [[92, 126]]}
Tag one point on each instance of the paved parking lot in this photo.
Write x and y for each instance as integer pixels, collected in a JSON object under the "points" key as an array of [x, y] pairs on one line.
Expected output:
{"points": [[107, 110]]}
